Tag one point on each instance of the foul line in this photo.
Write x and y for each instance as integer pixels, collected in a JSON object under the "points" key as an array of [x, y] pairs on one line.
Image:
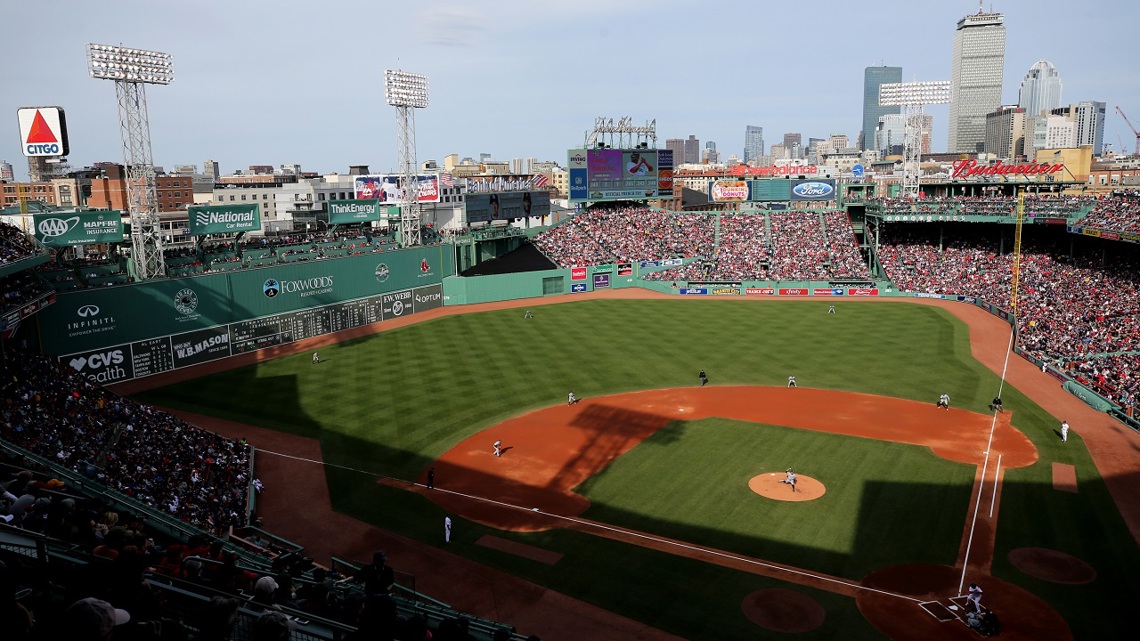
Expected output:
{"points": [[602, 526]]}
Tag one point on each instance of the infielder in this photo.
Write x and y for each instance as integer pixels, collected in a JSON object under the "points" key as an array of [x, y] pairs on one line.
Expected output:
{"points": [[499, 447], [792, 381], [944, 402], [571, 399]]}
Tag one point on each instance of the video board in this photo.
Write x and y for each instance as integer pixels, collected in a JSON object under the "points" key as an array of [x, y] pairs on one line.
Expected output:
{"points": [[600, 175], [389, 188], [506, 205]]}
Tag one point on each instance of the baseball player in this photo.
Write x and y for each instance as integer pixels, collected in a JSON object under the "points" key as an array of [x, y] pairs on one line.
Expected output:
{"points": [[974, 596], [703, 378], [831, 309], [528, 314], [792, 381], [1064, 431], [316, 357], [790, 479], [944, 402], [996, 405], [571, 399], [447, 529], [499, 447]]}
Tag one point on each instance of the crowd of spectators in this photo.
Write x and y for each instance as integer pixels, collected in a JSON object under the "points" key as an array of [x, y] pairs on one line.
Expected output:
{"points": [[1036, 204], [1071, 309], [798, 247], [626, 234], [54, 411], [19, 289], [1120, 213], [14, 244]]}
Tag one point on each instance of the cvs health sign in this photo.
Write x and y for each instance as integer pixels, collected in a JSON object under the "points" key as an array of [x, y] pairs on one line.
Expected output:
{"points": [[43, 131]]}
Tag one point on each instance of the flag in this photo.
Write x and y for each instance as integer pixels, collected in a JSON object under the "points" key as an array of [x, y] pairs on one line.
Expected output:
{"points": [[446, 180], [539, 181]]}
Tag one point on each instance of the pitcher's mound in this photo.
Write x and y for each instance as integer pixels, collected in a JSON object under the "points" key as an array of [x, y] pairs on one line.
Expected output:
{"points": [[783, 610], [1052, 565], [770, 485]]}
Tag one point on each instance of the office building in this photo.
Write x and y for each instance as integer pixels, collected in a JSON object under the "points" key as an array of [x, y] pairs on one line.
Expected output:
{"points": [[872, 112], [692, 150], [6, 172], [792, 144], [712, 157], [1005, 132], [1040, 90], [753, 143], [1088, 123], [677, 146], [976, 73]]}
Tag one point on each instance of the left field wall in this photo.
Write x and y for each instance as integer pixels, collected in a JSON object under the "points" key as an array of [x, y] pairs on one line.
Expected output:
{"points": [[131, 331]]}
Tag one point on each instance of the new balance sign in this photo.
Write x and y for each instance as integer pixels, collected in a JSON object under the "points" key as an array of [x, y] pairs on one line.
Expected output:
{"points": [[224, 219]]}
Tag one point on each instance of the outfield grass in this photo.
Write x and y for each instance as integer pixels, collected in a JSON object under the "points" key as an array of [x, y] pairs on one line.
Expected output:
{"points": [[391, 403]]}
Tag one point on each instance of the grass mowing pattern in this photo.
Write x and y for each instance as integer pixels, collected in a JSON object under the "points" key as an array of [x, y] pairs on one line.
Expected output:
{"points": [[690, 481], [392, 402]]}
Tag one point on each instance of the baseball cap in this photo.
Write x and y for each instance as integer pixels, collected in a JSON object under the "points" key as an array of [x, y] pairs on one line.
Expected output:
{"points": [[95, 616], [265, 584]]}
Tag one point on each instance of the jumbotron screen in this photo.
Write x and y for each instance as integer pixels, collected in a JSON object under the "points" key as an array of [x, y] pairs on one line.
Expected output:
{"points": [[599, 175]]}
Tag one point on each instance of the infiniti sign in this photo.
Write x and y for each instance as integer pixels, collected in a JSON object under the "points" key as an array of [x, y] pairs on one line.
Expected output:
{"points": [[88, 310]]}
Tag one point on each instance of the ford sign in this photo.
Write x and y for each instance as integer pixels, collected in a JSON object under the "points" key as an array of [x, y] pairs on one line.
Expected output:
{"points": [[813, 190]]}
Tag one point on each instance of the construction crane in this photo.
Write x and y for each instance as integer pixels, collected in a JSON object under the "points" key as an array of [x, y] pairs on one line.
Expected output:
{"points": [[1130, 126]]}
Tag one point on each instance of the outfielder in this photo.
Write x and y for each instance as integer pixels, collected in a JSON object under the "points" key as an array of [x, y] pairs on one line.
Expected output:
{"points": [[1064, 431]]}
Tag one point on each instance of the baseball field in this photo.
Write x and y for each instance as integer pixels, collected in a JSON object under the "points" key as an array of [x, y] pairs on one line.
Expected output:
{"points": [[654, 494]]}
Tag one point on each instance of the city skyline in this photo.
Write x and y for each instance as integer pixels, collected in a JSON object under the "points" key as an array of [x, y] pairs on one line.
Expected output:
{"points": [[507, 76]]}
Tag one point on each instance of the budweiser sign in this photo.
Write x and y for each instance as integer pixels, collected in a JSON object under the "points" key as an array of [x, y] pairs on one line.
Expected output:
{"points": [[970, 168]]}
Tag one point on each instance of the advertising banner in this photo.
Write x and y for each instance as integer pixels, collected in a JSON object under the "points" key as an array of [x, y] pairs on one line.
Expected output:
{"points": [[726, 191], [625, 269], [863, 291], [43, 131], [343, 212], [579, 184], [397, 304], [725, 291], [793, 291], [760, 291], [664, 172], [822, 189], [827, 291], [782, 170], [78, 228], [506, 206], [200, 346], [427, 298], [578, 288], [577, 273], [700, 291], [223, 219], [389, 188], [103, 366], [601, 280]]}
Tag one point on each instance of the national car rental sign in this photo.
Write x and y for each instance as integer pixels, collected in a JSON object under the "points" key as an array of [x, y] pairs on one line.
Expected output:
{"points": [[43, 131]]}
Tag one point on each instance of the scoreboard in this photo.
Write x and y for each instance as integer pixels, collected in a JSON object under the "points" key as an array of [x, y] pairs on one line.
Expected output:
{"points": [[600, 175]]}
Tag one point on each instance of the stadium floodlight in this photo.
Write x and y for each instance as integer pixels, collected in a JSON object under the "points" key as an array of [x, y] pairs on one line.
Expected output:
{"points": [[407, 92], [132, 70], [912, 97], [404, 89], [108, 62]]}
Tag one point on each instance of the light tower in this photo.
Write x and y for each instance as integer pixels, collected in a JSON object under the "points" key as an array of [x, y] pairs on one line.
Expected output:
{"points": [[131, 69], [406, 92], [912, 97]]}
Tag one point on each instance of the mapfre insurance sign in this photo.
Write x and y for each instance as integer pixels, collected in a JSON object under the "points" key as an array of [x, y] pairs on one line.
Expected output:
{"points": [[43, 131]]}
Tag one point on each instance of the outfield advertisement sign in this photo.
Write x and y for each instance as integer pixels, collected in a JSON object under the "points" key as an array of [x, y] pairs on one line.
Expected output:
{"points": [[601, 281], [119, 363], [389, 188], [343, 212], [577, 273], [92, 318], [690, 291], [223, 219], [728, 191], [819, 189], [1104, 233], [793, 291], [760, 291], [78, 228]]}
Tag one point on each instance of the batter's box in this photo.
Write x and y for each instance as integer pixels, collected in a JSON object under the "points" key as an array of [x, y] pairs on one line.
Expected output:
{"points": [[937, 610]]}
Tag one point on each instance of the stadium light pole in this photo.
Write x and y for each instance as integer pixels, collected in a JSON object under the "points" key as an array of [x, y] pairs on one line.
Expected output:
{"points": [[407, 92], [132, 69], [912, 97]]}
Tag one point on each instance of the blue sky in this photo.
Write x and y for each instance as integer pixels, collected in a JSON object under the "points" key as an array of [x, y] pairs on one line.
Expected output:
{"points": [[286, 81]]}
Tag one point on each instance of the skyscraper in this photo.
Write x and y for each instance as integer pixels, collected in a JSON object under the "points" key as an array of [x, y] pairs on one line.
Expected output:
{"points": [[753, 143], [692, 150], [677, 146], [872, 78], [1088, 123], [976, 73], [1041, 89]]}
